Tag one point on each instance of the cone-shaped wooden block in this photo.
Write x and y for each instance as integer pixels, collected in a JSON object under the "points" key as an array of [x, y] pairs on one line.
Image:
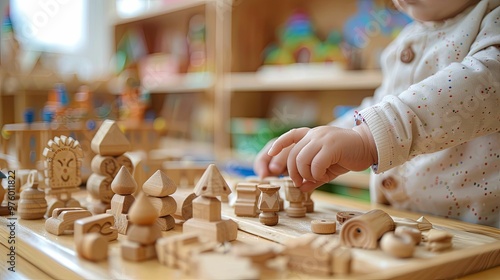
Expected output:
{"points": [[142, 211], [109, 140], [212, 184], [159, 185], [123, 183]]}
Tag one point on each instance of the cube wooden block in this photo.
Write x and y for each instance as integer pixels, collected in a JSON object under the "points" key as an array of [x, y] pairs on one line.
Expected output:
{"points": [[220, 231], [120, 204], [144, 235], [133, 251], [207, 208]]}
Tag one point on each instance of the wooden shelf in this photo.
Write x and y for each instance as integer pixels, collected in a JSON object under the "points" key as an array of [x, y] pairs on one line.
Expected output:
{"points": [[179, 5], [340, 80], [191, 82]]}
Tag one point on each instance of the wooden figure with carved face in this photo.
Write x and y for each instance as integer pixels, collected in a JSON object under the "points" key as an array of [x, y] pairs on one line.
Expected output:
{"points": [[63, 162]]}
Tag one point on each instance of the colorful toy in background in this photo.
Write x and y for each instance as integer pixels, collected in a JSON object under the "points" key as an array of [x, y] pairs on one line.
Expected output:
{"points": [[133, 101], [371, 28], [196, 40], [10, 45], [131, 48], [298, 43]]}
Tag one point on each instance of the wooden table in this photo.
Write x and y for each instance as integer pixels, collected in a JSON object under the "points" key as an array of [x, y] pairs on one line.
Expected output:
{"points": [[40, 255]]}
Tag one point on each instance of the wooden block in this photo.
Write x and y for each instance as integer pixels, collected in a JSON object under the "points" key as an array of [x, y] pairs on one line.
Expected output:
{"points": [[207, 208], [142, 211], [247, 198], [364, 231], [109, 140], [97, 207], [184, 174], [64, 218], [104, 165], [341, 261], [122, 222], [324, 226], [257, 253], [308, 202], [125, 161], [102, 224], [415, 234], [123, 183], [165, 223], [220, 231], [159, 185], [234, 267], [120, 204], [399, 246], [166, 247], [32, 204], [438, 240], [63, 161], [93, 247], [344, 216], [424, 224], [144, 235], [212, 184], [136, 252], [164, 205], [184, 201], [99, 187]]}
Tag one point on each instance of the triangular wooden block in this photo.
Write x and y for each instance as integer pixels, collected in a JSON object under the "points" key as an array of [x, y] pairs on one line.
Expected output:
{"points": [[123, 183], [212, 183], [159, 185], [142, 211], [109, 140]]}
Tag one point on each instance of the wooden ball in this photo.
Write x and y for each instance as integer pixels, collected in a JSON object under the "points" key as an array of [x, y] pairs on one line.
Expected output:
{"points": [[324, 226], [415, 234], [400, 246]]}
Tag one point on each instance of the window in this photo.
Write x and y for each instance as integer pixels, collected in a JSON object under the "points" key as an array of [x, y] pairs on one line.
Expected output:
{"points": [[76, 35], [50, 25]]}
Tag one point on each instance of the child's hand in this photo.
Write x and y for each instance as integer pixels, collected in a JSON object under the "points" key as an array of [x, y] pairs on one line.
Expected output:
{"points": [[265, 165], [323, 153]]}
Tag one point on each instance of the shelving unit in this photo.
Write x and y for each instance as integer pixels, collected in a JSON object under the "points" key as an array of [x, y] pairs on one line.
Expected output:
{"points": [[252, 90], [342, 80]]}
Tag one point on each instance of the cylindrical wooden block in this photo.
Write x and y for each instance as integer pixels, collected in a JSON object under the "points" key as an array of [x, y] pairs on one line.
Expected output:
{"points": [[269, 218], [344, 216], [124, 160], [365, 230], [99, 187], [93, 247], [323, 226], [184, 200], [400, 246], [164, 205], [104, 165]]}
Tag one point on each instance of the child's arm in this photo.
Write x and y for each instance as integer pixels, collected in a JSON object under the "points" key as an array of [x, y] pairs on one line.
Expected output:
{"points": [[321, 154]]}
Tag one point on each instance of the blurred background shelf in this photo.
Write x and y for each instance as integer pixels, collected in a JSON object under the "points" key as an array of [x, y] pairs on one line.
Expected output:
{"points": [[340, 80]]}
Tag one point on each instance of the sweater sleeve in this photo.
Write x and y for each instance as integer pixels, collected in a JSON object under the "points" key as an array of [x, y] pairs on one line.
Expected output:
{"points": [[457, 104]]}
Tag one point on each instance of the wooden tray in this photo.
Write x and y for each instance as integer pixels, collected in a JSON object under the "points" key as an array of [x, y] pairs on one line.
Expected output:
{"points": [[471, 251]]}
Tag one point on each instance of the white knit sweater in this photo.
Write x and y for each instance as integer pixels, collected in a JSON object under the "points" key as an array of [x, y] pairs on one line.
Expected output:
{"points": [[436, 119]]}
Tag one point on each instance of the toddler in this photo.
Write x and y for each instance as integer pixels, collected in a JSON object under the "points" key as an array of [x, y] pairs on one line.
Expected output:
{"points": [[431, 131]]}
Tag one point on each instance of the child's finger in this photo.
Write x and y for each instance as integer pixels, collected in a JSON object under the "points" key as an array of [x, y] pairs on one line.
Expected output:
{"points": [[287, 139], [322, 160], [308, 186], [304, 161], [293, 171]]}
